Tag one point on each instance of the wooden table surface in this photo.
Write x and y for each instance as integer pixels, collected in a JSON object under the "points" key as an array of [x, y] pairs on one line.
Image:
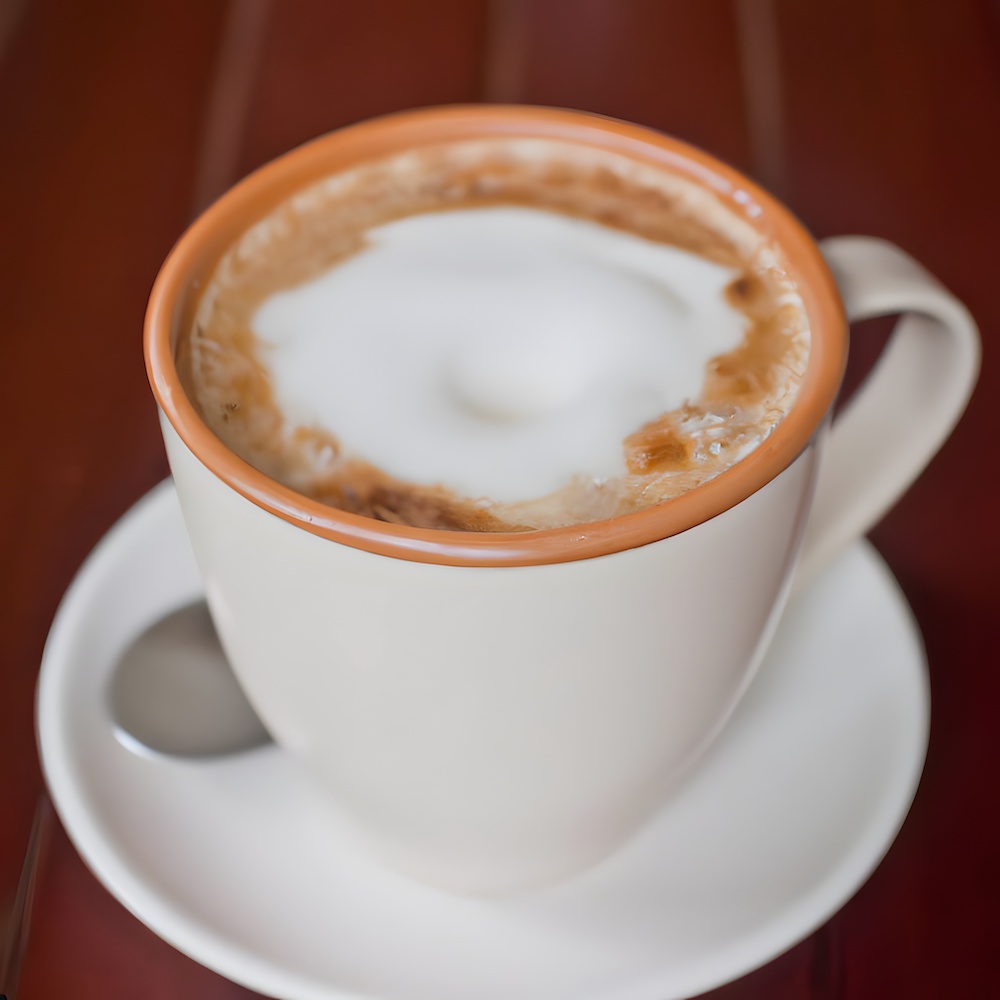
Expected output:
{"points": [[119, 119]]}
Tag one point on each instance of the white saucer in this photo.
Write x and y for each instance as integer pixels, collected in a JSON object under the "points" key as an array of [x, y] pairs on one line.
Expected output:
{"points": [[241, 864]]}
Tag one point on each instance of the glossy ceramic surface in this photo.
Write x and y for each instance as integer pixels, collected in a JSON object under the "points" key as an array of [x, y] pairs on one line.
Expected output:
{"points": [[247, 867]]}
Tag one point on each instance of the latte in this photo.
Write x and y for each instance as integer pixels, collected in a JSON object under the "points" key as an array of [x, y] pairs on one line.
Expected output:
{"points": [[497, 335]]}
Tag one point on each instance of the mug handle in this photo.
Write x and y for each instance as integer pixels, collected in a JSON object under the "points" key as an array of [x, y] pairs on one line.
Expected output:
{"points": [[895, 423]]}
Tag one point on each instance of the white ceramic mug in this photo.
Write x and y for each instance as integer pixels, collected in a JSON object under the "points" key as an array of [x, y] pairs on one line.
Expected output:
{"points": [[498, 711]]}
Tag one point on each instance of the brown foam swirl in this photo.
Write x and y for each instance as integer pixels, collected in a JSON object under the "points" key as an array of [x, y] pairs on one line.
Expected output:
{"points": [[745, 393]]}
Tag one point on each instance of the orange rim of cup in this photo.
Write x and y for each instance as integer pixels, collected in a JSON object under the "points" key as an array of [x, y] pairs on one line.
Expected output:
{"points": [[191, 262]]}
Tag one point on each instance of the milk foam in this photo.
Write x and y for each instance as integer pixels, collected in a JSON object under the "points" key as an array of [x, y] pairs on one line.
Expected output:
{"points": [[503, 334], [498, 351]]}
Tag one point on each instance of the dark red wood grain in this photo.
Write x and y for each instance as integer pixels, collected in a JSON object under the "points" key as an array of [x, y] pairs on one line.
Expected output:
{"points": [[117, 118]]}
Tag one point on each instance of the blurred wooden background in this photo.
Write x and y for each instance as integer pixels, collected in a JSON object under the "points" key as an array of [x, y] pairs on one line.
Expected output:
{"points": [[119, 119]]}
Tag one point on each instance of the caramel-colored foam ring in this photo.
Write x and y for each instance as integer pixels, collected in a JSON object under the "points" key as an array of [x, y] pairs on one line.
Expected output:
{"points": [[175, 296]]}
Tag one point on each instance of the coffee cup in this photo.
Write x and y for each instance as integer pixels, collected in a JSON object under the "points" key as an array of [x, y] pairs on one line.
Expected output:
{"points": [[498, 706]]}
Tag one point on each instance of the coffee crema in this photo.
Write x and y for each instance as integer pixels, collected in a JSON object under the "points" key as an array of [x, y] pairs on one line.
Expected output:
{"points": [[496, 335]]}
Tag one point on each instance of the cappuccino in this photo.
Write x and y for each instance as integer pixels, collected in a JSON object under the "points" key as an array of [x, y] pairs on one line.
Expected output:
{"points": [[497, 335]]}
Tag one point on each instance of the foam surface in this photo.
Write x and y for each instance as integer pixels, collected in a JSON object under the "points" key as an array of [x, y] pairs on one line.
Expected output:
{"points": [[498, 351]]}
